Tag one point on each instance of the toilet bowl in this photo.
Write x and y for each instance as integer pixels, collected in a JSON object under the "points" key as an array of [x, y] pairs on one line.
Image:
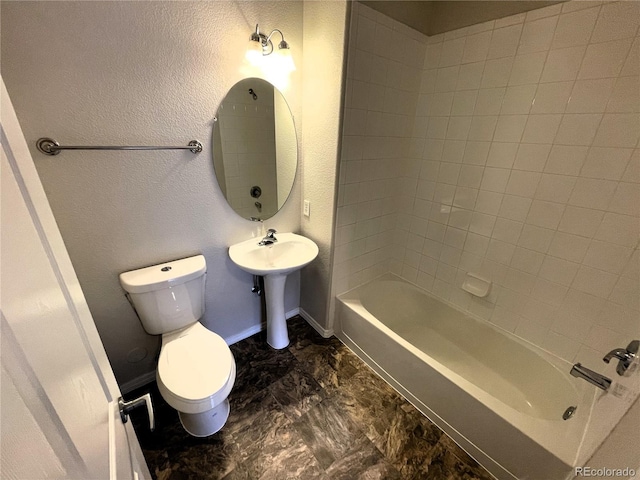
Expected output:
{"points": [[195, 374], [196, 369]]}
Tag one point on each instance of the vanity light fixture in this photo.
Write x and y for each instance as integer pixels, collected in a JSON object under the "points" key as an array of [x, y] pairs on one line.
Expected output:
{"points": [[260, 45]]}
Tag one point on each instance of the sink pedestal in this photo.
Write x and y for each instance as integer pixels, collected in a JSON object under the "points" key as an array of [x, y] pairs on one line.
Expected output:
{"points": [[277, 334]]}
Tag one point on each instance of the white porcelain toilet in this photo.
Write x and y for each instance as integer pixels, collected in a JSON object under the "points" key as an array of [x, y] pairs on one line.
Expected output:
{"points": [[196, 369]]}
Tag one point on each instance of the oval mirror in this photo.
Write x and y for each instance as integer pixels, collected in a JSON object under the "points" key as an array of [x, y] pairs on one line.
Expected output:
{"points": [[255, 149]]}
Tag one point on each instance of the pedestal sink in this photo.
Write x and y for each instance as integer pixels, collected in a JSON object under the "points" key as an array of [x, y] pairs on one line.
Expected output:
{"points": [[274, 262]]}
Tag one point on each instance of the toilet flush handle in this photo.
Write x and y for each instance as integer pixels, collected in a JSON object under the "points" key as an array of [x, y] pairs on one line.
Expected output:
{"points": [[126, 407]]}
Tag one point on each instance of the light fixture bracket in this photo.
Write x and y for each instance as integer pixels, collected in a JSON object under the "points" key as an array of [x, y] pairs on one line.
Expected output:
{"points": [[265, 40]]}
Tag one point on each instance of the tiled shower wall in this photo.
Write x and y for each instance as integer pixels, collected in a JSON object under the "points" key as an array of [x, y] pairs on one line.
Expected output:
{"points": [[526, 131], [383, 85]]}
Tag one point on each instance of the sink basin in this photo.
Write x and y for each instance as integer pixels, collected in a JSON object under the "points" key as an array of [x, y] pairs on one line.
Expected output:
{"points": [[291, 252], [274, 262]]}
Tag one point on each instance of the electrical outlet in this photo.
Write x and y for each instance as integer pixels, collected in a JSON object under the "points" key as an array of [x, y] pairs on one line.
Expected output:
{"points": [[306, 209]]}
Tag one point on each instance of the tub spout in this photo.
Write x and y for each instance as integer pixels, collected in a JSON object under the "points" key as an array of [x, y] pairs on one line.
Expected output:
{"points": [[590, 376]]}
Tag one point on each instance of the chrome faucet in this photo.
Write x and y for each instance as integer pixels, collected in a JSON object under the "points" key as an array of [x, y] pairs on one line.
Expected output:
{"points": [[625, 355], [590, 376], [269, 238]]}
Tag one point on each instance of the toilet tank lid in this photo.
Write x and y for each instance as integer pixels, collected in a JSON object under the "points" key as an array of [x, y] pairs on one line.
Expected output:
{"points": [[163, 275]]}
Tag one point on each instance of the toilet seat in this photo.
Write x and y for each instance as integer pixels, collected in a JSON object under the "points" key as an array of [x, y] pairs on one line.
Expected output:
{"points": [[196, 369]]}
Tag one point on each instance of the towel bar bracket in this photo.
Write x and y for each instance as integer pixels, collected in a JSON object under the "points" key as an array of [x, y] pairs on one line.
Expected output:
{"points": [[49, 146]]}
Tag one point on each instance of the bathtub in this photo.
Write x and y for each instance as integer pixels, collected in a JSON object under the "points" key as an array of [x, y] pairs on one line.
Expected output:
{"points": [[500, 398]]}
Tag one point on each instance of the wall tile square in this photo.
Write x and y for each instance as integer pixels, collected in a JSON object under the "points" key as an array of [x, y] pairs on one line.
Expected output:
{"points": [[555, 188], [632, 64], [536, 238], [452, 51], [593, 193], [488, 202], [626, 96], [507, 230], [470, 76], [552, 97], [607, 256], [541, 128], [626, 199], [575, 28], [590, 96], [527, 68], [594, 282], [510, 128], [482, 224], [581, 221], [618, 130], [537, 35], [476, 153], [604, 60], [606, 163], [464, 102], [446, 79], [616, 20], [532, 157], [619, 229], [569, 247], [482, 127], [495, 179], [545, 214], [476, 47], [578, 129], [563, 64], [558, 270], [500, 252], [470, 176], [513, 208], [458, 128], [489, 101], [504, 42], [566, 160], [453, 151], [502, 154], [496, 72], [518, 99]]}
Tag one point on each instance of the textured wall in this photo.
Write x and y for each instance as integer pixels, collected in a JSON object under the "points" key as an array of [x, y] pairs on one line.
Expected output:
{"points": [[324, 34], [142, 73]]}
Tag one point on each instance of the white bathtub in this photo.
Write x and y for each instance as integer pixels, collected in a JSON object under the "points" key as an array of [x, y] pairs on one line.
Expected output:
{"points": [[498, 397]]}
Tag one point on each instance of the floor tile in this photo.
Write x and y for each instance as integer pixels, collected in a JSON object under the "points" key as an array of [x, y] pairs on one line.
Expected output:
{"points": [[311, 411]]}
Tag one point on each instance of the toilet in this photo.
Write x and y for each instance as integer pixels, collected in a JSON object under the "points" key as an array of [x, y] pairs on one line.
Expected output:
{"points": [[196, 369]]}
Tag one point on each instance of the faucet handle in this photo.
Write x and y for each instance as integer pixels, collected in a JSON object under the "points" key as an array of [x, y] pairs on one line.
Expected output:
{"points": [[625, 356], [271, 232]]}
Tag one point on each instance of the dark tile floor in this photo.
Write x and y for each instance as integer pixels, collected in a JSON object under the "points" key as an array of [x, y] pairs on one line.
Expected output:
{"points": [[310, 411]]}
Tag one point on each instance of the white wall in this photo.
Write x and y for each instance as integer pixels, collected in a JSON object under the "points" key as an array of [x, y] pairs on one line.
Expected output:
{"points": [[324, 39], [142, 73]]}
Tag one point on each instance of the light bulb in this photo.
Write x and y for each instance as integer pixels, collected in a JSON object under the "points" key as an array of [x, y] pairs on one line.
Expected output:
{"points": [[254, 52], [286, 60]]}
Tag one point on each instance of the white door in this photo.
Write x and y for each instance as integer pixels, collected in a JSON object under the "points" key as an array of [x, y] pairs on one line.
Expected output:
{"points": [[59, 397]]}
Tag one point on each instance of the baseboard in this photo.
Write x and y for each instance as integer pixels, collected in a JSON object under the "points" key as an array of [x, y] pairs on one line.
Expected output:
{"points": [[138, 382], [238, 337], [246, 333], [326, 333]]}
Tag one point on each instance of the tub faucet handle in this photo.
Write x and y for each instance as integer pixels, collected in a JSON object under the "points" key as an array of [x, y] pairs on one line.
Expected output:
{"points": [[624, 355]]}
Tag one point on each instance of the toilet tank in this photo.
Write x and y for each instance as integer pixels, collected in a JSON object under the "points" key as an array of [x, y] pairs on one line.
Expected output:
{"points": [[168, 296]]}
